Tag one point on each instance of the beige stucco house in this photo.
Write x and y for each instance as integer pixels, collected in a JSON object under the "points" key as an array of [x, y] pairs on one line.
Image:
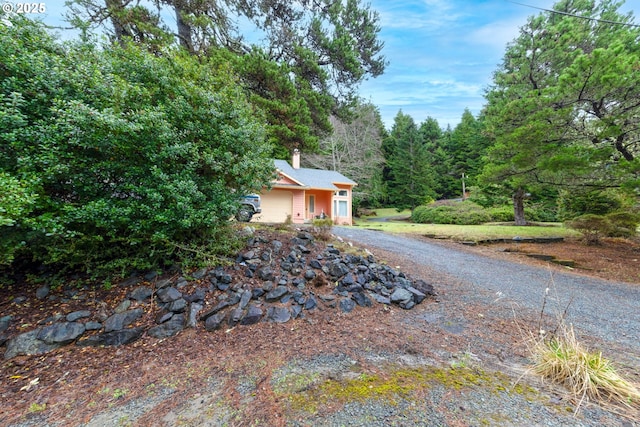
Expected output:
{"points": [[304, 194]]}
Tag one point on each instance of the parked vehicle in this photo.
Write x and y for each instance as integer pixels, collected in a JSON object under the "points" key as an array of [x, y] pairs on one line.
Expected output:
{"points": [[249, 206]]}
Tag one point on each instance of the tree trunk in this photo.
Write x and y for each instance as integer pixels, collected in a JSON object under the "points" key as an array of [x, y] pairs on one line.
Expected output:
{"points": [[184, 29], [115, 9], [518, 207]]}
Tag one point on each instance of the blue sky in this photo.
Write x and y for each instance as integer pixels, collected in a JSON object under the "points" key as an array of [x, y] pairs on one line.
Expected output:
{"points": [[441, 53]]}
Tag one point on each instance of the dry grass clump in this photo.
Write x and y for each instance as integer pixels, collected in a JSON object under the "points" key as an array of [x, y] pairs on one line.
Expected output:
{"points": [[559, 356], [563, 360]]}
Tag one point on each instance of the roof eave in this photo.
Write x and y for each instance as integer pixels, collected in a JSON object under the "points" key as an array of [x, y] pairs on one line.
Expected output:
{"points": [[290, 177], [291, 186]]}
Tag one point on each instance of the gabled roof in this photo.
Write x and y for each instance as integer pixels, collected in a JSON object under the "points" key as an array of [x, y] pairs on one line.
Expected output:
{"points": [[313, 178]]}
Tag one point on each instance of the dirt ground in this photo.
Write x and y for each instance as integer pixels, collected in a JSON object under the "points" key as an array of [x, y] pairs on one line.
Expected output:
{"points": [[71, 385], [614, 259]]}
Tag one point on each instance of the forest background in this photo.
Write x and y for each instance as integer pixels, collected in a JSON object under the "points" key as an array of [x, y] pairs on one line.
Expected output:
{"points": [[131, 153]]}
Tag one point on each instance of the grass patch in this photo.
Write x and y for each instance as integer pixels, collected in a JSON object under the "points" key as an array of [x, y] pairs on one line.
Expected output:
{"points": [[387, 213], [384, 221], [472, 232], [296, 382], [587, 375]]}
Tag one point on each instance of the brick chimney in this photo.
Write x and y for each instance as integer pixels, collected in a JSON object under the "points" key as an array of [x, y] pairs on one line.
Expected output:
{"points": [[295, 161]]}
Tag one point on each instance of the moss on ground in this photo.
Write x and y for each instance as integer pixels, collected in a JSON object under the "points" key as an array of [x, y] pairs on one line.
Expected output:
{"points": [[309, 393]]}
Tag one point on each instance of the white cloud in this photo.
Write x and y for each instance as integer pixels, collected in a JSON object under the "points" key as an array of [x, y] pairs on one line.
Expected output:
{"points": [[496, 35], [442, 54]]}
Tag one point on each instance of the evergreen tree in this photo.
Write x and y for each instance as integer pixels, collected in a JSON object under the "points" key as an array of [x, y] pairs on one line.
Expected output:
{"points": [[467, 146], [409, 179], [563, 109], [439, 159], [307, 65]]}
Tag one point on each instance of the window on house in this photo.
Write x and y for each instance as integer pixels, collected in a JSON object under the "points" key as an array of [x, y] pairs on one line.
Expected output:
{"points": [[342, 208], [312, 204], [343, 193]]}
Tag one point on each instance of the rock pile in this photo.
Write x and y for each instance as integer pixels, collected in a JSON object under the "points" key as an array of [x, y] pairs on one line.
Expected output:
{"points": [[269, 281]]}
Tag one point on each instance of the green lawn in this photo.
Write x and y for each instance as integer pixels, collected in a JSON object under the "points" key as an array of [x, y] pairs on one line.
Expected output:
{"points": [[388, 212], [460, 232]]}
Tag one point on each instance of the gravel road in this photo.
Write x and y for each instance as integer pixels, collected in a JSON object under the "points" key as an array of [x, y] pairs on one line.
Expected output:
{"points": [[607, 310]]}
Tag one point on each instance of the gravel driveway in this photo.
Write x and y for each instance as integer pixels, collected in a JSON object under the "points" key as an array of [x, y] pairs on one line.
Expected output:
{"points": [[609, 311]]}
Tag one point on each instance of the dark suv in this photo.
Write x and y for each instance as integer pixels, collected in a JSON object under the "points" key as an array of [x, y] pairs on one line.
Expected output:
{"points": [[249, 206]]}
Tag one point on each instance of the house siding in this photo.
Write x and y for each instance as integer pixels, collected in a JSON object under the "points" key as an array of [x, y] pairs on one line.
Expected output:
{"points": [[322, 203], [283, 180]]}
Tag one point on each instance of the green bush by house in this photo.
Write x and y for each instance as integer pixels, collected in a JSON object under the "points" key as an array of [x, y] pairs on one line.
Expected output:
{"points": [[112, 157]]}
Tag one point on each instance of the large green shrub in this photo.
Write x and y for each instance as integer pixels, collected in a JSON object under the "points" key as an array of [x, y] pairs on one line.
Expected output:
{"points": [[470, 213], [616, 224], [572, 204], [623, 224], [501, 213], [592, 227], [538, 207], [136, 159], [460, 213], [16, 201], [540, 212]]}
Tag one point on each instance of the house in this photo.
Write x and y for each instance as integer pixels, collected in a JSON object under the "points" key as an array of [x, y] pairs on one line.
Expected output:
{"points": [[304, 194]]}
